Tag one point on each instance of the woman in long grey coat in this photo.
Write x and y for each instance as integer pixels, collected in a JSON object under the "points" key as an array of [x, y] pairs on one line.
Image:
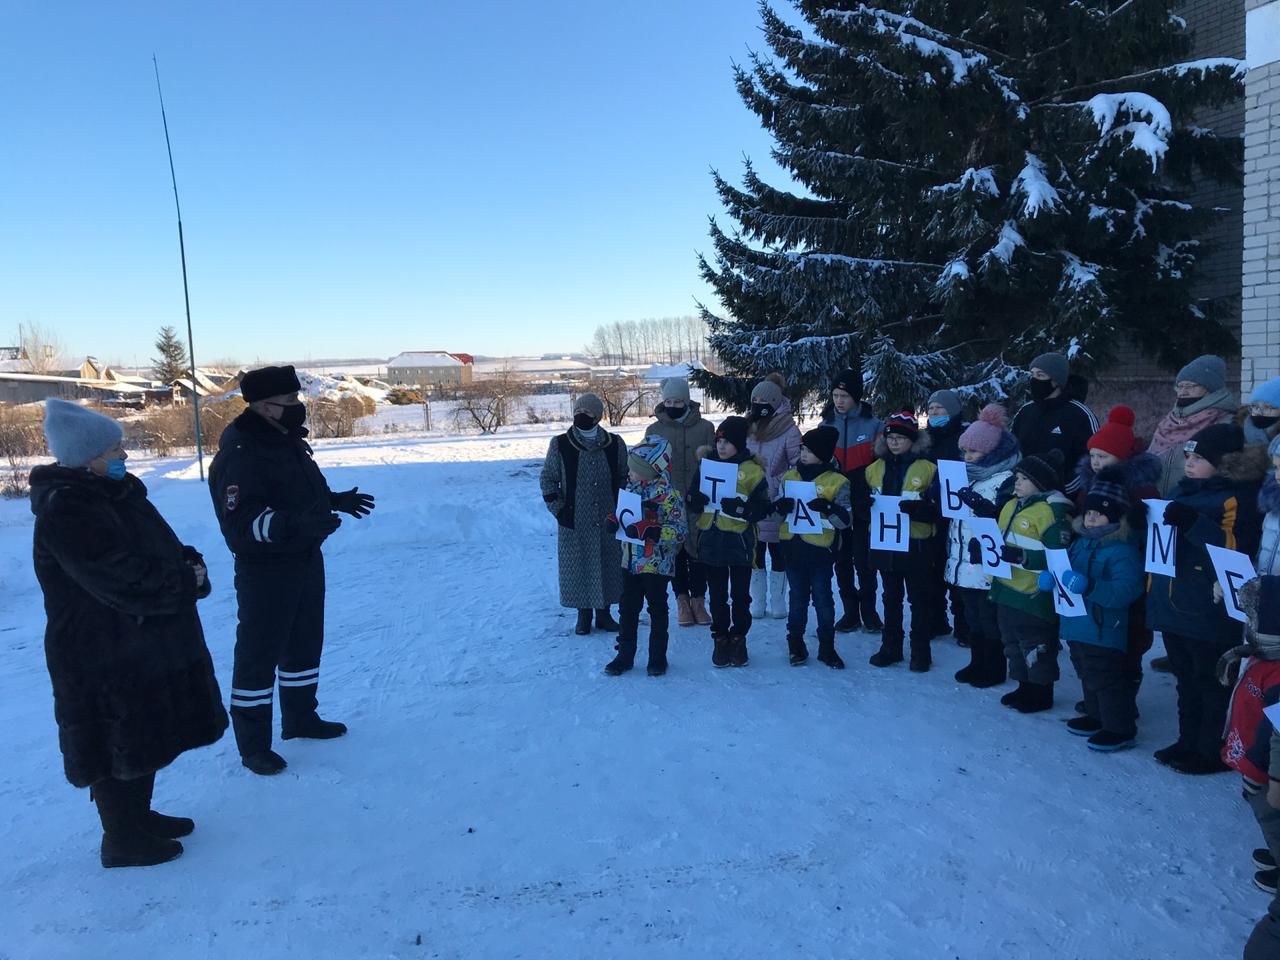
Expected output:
{"points": [[584, 469]]}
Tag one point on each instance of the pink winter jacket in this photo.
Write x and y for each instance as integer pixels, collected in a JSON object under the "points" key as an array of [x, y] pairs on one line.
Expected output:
{"points": [[777, 446]]}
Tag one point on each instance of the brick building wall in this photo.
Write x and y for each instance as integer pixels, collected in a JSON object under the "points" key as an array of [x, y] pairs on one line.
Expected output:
{"points": [[1260, 298]]}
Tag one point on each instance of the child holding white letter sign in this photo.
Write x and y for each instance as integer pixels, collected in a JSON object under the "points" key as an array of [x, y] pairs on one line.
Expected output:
{"points": [[904, 470], [727, 539], [1106, 571], [1213, 505], [811, 556]]}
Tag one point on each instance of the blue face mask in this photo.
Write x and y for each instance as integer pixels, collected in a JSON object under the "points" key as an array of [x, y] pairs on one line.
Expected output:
{"points": [[116, 470], [941, 421]]}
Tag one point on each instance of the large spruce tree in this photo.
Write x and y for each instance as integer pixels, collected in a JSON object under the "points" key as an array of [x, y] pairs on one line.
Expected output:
{"points": [[171, 364], [973, 182]]}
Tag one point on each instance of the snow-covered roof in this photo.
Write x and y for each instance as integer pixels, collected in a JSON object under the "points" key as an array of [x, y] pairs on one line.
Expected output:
{"points": [[532, 365], [661, 371], [424, 358]]}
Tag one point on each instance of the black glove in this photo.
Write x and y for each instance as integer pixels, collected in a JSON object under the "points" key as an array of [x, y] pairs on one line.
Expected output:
{"points": [[980, 505], [975, 552], [192, 556], [784, 505], [653, 534], [697, 501], [1180, 515], [910, 507], [821, 506], [734, 506], [352, 501], [611, 525], [1014, 555]]}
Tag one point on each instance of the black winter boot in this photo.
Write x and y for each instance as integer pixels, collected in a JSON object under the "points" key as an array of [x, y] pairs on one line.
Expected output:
{"points": [[890, 652], [265, 764], [972, 671], [921, 656], [312, 728], [722, 647], [657, 665], [871, 622], [827, 654], [993, 667], [605, 621], [738, 651], [798, 651], [583, 626], [157, 824], [1014, 697], [122, 807], [624, 661], [1037, 699], [851, 620]]}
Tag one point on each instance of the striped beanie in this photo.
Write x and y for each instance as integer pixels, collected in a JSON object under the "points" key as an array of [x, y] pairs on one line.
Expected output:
{"points": [[903, 424]]}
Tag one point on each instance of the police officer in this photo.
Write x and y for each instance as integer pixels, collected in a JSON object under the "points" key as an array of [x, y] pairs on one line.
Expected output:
{"points": [[276, 511]]}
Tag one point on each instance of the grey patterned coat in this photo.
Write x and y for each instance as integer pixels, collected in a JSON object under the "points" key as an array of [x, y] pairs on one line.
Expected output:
{"points": [[580, 481]]}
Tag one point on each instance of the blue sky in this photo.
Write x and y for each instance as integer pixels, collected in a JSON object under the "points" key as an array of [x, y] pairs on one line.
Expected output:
{"points": [[362, 178]]}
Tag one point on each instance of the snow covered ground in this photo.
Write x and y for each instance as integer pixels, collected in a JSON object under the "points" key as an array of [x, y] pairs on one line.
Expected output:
{"points": [[498, 796]]}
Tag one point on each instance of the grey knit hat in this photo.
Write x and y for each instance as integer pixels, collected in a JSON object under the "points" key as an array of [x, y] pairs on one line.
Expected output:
{"points": [[1055, 365], [76, 435], [675, 388], [766, 391], [948, 400], [1209, 371], [589, 403]]}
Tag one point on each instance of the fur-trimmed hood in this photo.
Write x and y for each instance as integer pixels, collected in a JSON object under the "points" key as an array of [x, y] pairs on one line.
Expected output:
{"points": [[1122, 534], [1249, 465], [920, 448]]}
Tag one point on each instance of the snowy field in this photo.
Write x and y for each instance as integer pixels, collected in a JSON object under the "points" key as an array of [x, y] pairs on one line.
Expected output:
{"points": [[498, 796]]}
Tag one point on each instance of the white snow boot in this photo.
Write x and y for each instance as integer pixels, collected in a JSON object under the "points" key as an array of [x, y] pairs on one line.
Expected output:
{"points": [[778, 595], [759, 587]]}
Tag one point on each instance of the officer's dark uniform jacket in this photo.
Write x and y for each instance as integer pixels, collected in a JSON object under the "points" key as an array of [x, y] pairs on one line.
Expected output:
{"points": [[263, 482]]}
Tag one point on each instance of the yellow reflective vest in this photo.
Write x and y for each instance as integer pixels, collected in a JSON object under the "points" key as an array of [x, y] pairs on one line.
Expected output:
{"points": [[919, 476], [830, 485]]}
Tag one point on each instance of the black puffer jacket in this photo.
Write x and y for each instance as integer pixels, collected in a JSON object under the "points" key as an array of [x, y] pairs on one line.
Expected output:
{"points": [[133, 684], [264, 483]]}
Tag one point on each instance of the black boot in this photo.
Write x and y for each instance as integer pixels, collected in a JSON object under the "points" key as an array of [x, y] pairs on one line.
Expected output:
{"points": [[312, 728], [624, 661], [605, 621], [851, 620], [797, 649], [827, 654], [971, 672], [657, 665], [265, 764], [871, 622], [722, 648], [921, 656], [993, 666], [738, 651], [1014, 697], [584, 623], [890, 652], [122, 807], [157, 824], [1037, 699]]}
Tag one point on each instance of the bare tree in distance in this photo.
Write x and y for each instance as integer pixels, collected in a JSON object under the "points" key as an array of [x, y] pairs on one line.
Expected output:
{"points": [[622, 396], [488, 404], [651, 340], [41, 347]]}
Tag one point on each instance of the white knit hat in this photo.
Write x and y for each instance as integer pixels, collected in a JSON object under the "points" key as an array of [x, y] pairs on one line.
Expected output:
{"points": [[76, 435]]}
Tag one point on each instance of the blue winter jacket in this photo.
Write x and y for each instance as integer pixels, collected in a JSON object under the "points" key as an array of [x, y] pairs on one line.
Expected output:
{"points": [[1227, 504], [1113, 565], [1268, 559]]}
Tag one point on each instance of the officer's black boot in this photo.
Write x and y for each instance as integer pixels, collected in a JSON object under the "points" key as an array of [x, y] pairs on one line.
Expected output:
{"points": [[311, 727], [267, 763], [122, 807]]}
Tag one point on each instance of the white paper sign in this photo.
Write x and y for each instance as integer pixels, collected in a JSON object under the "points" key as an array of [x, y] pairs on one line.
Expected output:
{"points": [[804, 520], [953, 477], [718, 482], [1067, 604], [1273, 714], [1162, 541], [1234, 570], [890, 527], [630, 510], [990, 542]]}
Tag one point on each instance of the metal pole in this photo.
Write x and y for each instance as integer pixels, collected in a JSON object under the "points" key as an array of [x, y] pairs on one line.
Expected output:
{"points": [[186, 296]]}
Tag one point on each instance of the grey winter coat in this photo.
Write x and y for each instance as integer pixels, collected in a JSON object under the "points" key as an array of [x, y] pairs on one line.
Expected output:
{"points": [[580, 481], [776, 444]]}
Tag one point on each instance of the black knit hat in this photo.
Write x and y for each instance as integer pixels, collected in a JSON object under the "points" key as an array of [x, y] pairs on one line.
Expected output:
{"points": [[1215, 442], [1044, 471], [850, 381], [734, 430], [1109, 494], [268, 382], [821, 442]]}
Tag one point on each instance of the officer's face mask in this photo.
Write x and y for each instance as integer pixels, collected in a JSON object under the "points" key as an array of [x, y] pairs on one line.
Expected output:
{"points": [[292, 416]]}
